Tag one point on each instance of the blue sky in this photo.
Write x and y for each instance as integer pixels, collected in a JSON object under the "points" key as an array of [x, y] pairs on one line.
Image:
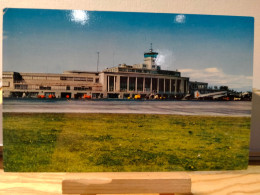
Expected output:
{"points": [[213, 49]]}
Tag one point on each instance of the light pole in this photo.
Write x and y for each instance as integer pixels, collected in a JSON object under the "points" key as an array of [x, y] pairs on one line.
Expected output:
{"points": [[97, 60]]}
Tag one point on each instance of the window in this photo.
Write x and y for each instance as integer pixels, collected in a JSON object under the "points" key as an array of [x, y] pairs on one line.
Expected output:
{"points": [[58, 87], [53, 78], [7, 76], [68, 88], [82, 88], [34, 86], [66, 78], [45, 88], [97, 80], [21, 86], [39, 78], [80, 79], [89, 79]]}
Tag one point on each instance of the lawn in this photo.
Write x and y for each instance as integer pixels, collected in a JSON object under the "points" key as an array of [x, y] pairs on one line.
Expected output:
{"points": [[123, 142]]}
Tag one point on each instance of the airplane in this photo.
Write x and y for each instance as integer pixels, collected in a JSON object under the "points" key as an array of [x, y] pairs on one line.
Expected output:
{"points": [[213, 95]]}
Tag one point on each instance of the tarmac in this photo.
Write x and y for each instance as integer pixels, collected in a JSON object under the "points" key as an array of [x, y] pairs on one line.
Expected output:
{"points": [[212, 108]]}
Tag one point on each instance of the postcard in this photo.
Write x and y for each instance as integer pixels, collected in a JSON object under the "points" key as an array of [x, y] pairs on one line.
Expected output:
{"points": [[96, 91]]}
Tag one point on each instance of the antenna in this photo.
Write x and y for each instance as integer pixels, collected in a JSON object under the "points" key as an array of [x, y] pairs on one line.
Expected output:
{"points": [[151, 50], [97, 60]]}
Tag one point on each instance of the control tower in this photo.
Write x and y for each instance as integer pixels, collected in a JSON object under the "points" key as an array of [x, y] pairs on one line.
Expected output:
{"points": [[150, 58]]}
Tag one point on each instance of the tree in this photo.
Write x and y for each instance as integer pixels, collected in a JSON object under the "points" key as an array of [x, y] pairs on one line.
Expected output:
{"points": [[224, 88]]}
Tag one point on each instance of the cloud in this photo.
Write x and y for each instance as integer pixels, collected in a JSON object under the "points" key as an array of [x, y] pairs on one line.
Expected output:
{"points": [[187, 70], [211, 70], [79, 16], [165, 58], [216, 77], [180, 18]]}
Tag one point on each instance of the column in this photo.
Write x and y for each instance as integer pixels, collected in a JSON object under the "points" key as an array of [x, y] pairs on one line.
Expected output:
{"points": [[108, 83], [157, 85], [175, 91], [170, 86], [127, 87], [182, 85], [164, 85], [187, 88], [135, 84], [114, 83], [144, 84], [118, 83], [104, 86], [151, 85]]}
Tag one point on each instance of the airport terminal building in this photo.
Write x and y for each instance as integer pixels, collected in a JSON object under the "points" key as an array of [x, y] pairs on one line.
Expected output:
{"points": [[145, 79]]}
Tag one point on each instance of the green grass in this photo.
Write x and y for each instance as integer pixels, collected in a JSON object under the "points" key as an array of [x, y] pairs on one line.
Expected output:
{"points": [[123, 142]]}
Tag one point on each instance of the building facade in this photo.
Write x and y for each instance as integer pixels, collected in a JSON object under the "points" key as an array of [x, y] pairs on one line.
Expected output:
{"points": [[198, 86], [70, 84], [124, 81]]}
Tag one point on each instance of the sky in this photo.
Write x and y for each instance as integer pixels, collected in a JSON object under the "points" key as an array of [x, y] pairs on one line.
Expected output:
{"points": [[213, 49]]}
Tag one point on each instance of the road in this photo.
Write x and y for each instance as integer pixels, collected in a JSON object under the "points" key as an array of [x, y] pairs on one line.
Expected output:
{"points": [[232, 108]]}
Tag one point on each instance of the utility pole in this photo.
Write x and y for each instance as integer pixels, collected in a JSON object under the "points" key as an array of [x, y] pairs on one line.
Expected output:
{"points": [[97, 60]]}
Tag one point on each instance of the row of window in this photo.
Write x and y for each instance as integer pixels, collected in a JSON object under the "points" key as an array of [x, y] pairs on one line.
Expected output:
{"points": [[25, 87], [25, 77], [89, 79], [7, 76], [134, 70], [194, 86], [82, 88], [45, 88], [21, 86]]}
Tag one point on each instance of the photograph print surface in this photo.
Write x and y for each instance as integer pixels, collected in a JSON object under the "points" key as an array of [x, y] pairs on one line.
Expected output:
{"points": [[94, 91]]}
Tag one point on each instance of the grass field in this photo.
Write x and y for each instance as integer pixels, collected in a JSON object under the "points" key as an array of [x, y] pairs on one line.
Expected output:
{"points": [[123, 142]]}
